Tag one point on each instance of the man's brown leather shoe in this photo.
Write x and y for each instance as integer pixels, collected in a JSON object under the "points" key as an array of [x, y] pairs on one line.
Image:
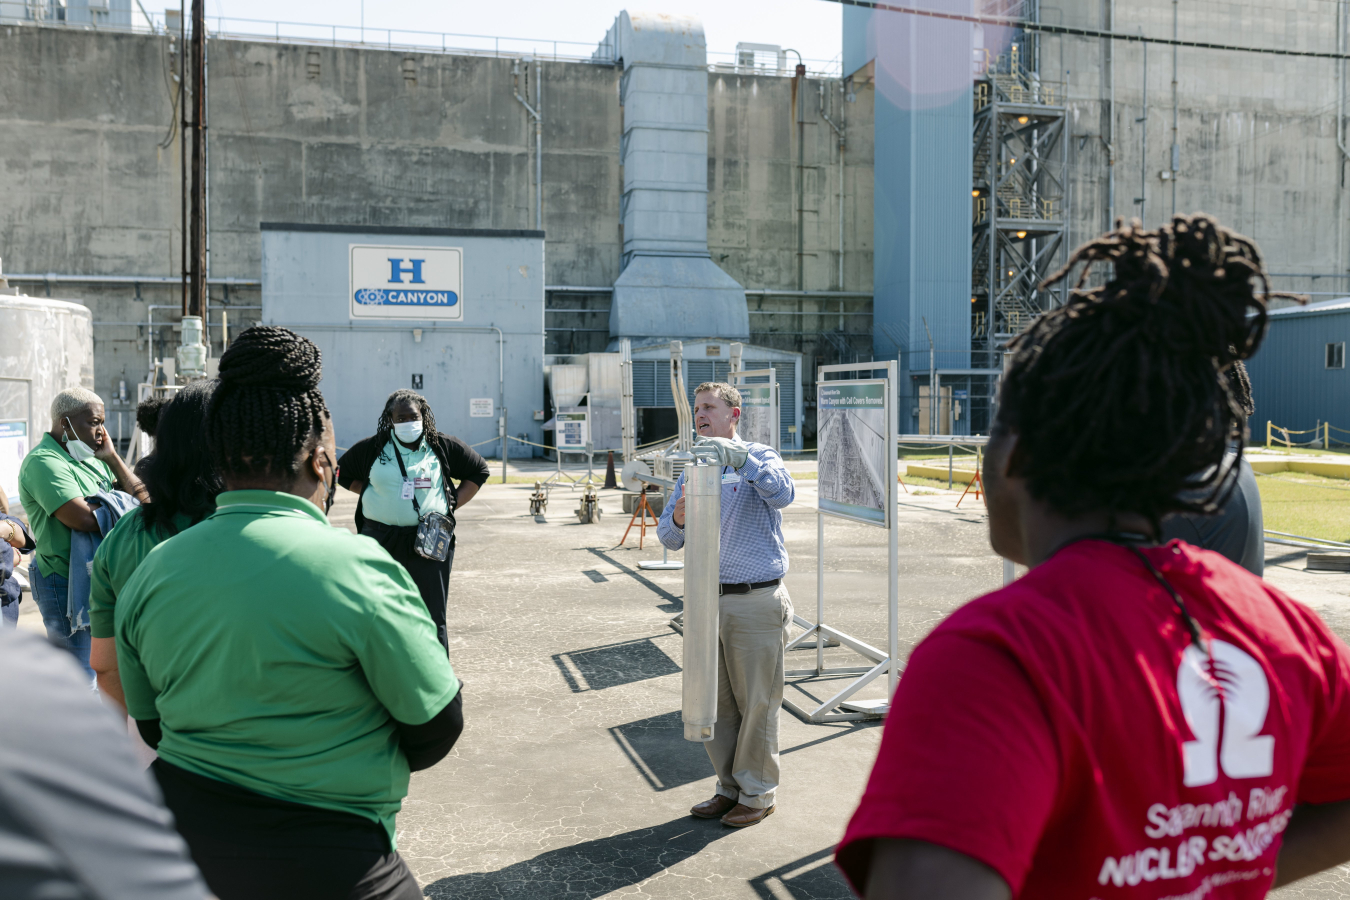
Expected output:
{"points": [[744, 815], [714, 808]]}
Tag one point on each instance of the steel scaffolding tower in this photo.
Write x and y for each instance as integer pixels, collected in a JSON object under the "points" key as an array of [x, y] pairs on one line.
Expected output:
{"points": [[1018, 213]]}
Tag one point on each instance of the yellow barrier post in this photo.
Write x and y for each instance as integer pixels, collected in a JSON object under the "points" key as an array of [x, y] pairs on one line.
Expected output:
{"points": [[1267, 434], [1326, 435]]}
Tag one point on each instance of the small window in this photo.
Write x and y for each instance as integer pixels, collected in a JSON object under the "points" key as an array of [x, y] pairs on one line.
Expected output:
{"points": [[1336, 355]]}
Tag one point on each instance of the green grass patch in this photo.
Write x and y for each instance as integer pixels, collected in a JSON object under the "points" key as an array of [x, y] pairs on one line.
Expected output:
{"points": [[913, 481], [1310, 505], [1304, 451]]}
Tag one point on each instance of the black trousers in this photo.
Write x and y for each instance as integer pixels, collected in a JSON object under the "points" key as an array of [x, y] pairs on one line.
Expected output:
{"points": [[432, 578], [252, 847]]}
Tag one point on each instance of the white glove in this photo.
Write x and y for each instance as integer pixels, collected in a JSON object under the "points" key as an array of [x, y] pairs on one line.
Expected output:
{"points": [[729, 452]]}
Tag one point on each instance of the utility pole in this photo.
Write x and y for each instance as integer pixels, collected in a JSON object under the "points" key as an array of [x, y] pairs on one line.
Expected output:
{"points": [[183, 202], [195, 302]]}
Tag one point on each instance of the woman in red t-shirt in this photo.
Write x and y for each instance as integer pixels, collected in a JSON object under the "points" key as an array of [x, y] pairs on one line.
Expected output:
{"points": [[1128, 719]]}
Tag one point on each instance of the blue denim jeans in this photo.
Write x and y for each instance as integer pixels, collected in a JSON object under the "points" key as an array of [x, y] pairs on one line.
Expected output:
{"points": [[49, 593]]}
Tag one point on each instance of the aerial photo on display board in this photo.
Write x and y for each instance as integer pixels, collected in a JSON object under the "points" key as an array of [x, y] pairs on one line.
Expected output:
{"points": [[758, 414], [852, 447]]}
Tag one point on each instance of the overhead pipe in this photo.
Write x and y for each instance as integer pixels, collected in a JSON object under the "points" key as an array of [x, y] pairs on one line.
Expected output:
{"points": [[1176, 143], [1340, 73], [683, 413], [194, 304], [702, 536], [798, 110], [1110, 140], [534, 112], [627, 412], [53, 278], [839, 133]]}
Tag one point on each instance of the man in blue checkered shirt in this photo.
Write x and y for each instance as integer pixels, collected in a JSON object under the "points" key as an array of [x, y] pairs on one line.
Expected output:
{"points": [[755, 609]]}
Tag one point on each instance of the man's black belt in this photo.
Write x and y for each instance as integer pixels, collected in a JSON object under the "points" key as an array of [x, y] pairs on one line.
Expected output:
{"points": [[744, 587]]}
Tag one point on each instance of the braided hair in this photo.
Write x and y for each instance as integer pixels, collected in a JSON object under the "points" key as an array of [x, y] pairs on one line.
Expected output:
{"points": [[385, 428], [178, 476], [267, 409], [1120, 397]]}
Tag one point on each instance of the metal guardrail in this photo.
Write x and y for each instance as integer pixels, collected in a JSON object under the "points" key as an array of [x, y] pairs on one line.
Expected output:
{"points": [[449, 42], [1301, 540], [944, 440]]}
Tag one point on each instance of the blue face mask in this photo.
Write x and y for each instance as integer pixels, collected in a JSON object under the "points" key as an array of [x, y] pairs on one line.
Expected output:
{"points": [[408, 432]]}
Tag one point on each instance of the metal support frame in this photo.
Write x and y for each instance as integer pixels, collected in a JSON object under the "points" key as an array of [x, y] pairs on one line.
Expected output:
{"points": [[879, 661], [664, 563], [1019, 190]]}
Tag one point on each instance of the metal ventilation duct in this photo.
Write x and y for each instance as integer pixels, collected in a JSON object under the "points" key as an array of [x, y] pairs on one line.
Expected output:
{"points": [[669, 287]]}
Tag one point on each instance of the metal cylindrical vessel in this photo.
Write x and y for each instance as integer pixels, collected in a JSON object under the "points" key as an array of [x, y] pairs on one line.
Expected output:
{"points": [[702, 538]]}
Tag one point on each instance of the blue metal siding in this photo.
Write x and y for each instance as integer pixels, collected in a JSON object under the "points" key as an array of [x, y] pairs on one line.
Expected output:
{"points": [[1291, 384], [921, 196]]}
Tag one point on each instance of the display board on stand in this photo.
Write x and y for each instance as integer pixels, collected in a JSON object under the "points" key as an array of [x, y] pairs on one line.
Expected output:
{"points": [[571, 434], [857, 430], [759, 422], [573, 431]]}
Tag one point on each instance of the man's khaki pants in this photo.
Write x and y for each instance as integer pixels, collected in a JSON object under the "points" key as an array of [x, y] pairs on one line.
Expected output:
{"points": [[744, 749]]}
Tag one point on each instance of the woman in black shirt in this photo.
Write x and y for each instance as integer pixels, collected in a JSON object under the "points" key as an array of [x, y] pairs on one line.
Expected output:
{"points": [[408, 460]]}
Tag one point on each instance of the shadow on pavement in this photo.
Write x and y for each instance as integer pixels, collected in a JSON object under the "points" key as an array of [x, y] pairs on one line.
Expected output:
{"points": [[656, 747], [812, 877], [673, 604], [611, 665], [589, 869]]}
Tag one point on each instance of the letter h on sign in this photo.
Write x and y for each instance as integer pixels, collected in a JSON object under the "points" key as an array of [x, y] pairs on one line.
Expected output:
{"points": [[397, 271]]}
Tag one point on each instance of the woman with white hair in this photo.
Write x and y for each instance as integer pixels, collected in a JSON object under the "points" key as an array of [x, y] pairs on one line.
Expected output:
{"points": [[74, 460]]}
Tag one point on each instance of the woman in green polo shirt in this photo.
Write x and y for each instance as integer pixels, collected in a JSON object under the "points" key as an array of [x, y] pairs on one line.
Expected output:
{"points": [[75, 460], [286, 671], [182, 483]]}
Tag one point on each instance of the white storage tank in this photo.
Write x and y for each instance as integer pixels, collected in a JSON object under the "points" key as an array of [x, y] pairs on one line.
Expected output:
{"points": [[47, 346]]}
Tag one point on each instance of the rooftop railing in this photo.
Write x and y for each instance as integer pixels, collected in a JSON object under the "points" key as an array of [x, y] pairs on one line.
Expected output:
{"points": [[38, 13]]}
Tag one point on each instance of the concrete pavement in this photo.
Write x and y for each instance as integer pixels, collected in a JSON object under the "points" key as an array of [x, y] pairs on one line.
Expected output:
{"points": [[572, 778]]}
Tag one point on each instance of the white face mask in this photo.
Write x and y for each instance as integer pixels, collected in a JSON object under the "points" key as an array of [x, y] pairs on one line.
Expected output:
{"points": [[78, 449], [407, 432]]}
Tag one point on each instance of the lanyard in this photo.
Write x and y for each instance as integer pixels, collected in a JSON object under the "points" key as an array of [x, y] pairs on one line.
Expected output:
{"points": [[445, 478], [398, 455]]}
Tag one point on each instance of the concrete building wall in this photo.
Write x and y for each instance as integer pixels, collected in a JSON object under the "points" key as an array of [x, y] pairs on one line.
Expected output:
{"points": [[89, 177], [1257, 133]]}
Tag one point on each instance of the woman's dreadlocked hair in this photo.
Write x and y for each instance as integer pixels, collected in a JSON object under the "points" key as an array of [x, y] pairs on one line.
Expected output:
{"points": [[385, 428], [1133, 392], [267, 409], [179, 477]]}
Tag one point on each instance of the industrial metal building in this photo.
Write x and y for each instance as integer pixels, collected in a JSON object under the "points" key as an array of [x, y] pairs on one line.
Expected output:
{"points": [[455, 314], [1299, 378]]}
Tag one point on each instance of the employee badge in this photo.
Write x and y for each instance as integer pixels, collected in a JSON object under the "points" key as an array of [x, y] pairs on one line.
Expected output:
{"points": [[407, 492]]}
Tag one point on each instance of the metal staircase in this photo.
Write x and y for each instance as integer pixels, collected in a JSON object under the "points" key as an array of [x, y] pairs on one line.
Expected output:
{"points": [[1018, 218]]}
